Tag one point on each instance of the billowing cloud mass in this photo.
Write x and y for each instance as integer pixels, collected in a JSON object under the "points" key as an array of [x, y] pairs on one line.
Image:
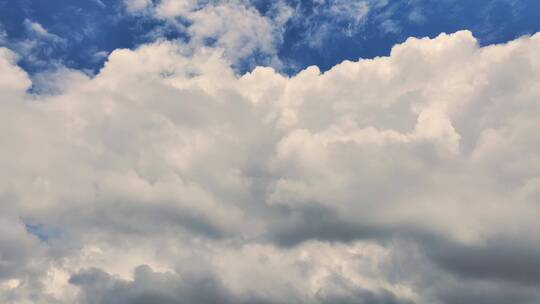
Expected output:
{"points": [[168, 178]]}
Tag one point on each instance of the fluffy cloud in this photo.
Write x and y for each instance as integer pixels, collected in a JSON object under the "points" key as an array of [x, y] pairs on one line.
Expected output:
{"points": [[168, 178]]}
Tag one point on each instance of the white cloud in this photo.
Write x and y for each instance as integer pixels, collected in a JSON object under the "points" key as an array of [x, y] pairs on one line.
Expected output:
{"points": [[379, 180], [136, 6], [13, 80], [236, 26]]}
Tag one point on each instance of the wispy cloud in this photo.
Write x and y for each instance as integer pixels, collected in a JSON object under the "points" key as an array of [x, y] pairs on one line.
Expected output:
{"points": [[38, 31]]}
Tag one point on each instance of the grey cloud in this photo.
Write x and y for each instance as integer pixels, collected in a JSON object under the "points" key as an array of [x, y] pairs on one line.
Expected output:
{"points": [[148, 286], [339, 291], [295, 226], [510, 261], [468, 291]]}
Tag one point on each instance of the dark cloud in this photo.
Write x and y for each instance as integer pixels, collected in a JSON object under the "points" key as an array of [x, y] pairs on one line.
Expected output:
{"points": [[316, 222], [481, 292], [508, 260]]}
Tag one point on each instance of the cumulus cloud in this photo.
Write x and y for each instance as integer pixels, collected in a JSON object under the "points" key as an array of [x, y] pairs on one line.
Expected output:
{"points": [[168, 178]]}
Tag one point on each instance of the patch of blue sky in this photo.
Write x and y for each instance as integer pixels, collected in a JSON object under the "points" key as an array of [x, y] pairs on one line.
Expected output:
{"points": [[42, 232]]}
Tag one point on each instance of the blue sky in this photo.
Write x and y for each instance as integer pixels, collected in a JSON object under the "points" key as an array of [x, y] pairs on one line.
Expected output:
{"points": [[316, 34]]}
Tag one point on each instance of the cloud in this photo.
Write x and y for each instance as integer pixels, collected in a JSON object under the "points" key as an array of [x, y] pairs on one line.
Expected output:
{"points": [[323, 20], [291, 273], [149, 287], [3, 35], [410, 178], [137, 5], [36, 46], [100, 3], [39, 31], [251, 35]]}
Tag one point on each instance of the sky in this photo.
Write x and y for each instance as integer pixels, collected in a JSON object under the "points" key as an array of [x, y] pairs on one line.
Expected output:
{"points": [[276, 152]]}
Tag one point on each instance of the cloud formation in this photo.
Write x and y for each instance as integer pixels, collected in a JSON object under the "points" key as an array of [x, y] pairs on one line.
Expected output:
{"points": [[168, 178]]}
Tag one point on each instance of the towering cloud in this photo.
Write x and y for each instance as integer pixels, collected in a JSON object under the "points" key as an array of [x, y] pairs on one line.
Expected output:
{"points": [[168, 178]]}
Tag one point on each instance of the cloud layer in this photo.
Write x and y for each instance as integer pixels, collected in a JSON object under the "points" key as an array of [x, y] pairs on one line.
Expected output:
{"points": [[167, 178]]}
